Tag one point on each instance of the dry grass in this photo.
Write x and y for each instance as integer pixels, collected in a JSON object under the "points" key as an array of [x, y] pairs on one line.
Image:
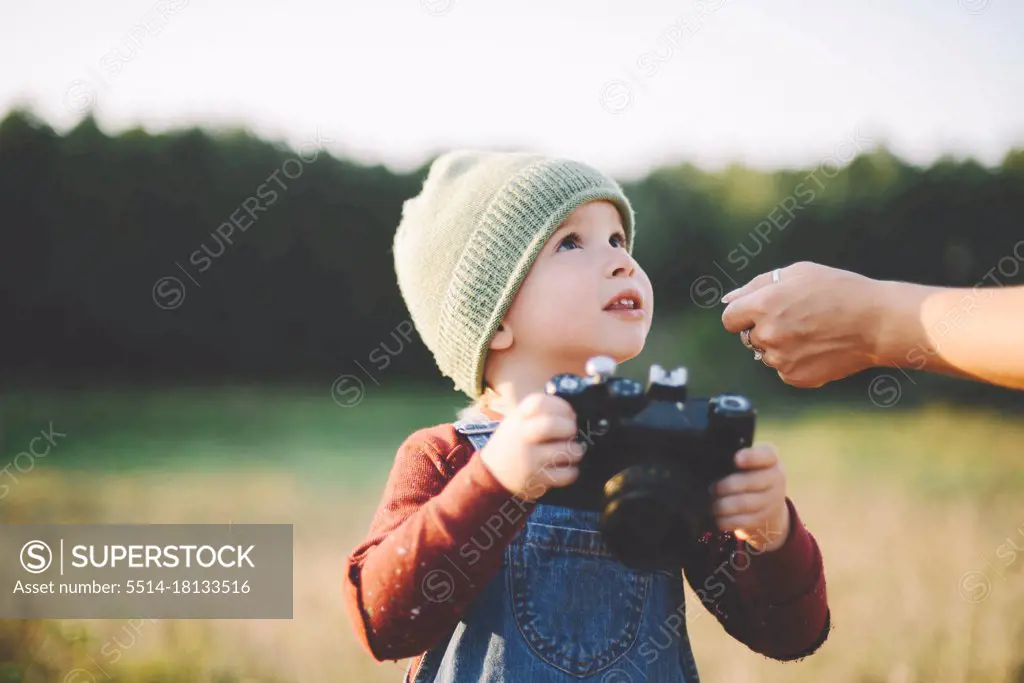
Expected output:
{"points": [[903, 505]]}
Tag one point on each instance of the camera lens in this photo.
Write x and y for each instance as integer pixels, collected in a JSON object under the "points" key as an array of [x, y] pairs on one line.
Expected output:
{"points": [[642, 522], [635, 525]]}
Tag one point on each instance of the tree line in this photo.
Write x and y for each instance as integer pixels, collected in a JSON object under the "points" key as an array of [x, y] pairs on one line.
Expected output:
{"points": [[200, 256]]}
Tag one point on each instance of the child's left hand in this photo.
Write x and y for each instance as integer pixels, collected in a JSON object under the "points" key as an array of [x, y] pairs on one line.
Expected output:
{"points": [[752, 502]]}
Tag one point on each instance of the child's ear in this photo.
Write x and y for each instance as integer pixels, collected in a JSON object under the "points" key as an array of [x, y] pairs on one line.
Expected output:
{"points": [[502, 339]]}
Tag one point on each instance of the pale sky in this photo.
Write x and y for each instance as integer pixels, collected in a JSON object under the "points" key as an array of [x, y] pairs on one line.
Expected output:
{"points": [[623, 85]]}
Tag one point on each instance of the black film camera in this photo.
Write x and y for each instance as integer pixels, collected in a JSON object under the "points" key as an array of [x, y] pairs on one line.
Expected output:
{"points": [[651, 456]]}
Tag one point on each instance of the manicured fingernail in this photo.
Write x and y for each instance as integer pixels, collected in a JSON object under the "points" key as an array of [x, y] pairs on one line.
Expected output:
{"points": [[728, 296]]}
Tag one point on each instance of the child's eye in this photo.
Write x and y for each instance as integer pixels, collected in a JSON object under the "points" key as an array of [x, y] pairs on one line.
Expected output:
{"points": [[571, 239], [617, 240]]}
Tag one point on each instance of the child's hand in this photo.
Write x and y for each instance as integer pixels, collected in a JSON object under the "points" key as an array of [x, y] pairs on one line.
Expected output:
{"points": [[532, 449], [752, 502]]}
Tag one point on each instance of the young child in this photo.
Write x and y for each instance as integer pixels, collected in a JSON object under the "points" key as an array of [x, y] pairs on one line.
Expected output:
{"points": [[516, 267]]}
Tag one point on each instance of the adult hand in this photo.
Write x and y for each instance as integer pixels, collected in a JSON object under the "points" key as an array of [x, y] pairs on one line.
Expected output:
{"points": [[816, 325]]}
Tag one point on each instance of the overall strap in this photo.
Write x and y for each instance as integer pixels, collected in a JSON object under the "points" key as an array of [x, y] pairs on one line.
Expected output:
{"points": [[477, 431]]}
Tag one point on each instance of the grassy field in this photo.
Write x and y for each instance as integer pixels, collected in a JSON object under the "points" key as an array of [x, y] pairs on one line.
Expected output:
{"points": [[914, 512]]}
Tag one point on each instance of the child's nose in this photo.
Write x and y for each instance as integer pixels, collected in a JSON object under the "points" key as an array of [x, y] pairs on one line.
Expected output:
{"points": [[620, 264]]}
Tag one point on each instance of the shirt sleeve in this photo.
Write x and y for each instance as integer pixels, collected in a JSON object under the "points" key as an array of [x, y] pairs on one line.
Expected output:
{"points": [[417, 571], [774, 602]]}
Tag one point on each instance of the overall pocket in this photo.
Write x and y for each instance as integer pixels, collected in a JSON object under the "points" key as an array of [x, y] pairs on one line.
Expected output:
{"points": [[578, 609]]}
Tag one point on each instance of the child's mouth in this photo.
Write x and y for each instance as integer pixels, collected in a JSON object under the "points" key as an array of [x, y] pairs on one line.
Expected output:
{"points": [[628, 309], [628, 313], [628, 304]]}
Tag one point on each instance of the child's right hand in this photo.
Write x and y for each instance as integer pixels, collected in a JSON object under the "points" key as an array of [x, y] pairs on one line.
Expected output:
{"points": [[533, 449]]}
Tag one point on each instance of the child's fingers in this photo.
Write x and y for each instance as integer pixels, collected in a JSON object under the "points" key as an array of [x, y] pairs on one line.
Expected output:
{"points": [[759, 529], [737, 522], [756, 457], [740, 533], [743, 482], [557, 477], [545, 428], [743, 504], [539, 404], [557, 455]]}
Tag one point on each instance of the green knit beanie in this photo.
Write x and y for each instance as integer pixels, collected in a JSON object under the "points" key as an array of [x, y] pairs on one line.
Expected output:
{"points": [[467, 241]]}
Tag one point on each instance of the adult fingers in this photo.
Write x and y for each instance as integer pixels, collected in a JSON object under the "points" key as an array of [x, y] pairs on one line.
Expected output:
{"points": [[742, 313], [755, 284]]}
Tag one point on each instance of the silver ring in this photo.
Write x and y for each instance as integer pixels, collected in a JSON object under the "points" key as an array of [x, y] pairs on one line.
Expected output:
{"points": [[745, 338], [777, 276]]}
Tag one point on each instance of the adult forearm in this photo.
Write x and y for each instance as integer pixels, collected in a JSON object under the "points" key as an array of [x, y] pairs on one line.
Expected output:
{"points": [[976, 333]]}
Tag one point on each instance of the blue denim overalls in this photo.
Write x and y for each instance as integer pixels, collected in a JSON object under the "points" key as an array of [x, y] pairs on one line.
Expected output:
{"points": [[563, 609]]}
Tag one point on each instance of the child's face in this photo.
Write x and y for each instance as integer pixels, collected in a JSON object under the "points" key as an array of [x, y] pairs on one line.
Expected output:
{"points": [[561, 315]]}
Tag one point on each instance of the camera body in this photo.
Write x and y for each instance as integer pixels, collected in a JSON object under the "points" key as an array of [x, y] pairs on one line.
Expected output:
{"points": [[651, 456]]}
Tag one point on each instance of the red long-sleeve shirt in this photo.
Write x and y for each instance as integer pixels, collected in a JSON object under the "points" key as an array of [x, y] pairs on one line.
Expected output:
{"points": [[408, 583]]}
